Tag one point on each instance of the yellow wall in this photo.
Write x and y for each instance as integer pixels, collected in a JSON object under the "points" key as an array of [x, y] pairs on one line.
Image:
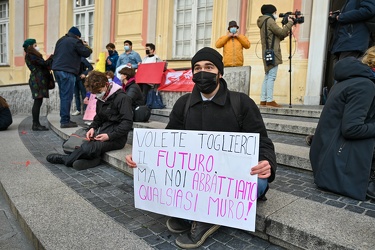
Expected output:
{"points": [[128, 26]]}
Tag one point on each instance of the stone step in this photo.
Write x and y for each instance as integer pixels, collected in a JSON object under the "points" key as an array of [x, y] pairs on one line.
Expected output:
{"points": [[274, 120], [290, 126], [297, 111]]}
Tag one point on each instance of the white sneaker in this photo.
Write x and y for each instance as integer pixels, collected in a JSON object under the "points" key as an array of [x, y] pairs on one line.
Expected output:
{"points": [[76, 112]]}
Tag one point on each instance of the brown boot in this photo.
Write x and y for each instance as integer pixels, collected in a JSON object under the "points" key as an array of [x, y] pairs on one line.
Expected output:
{"points": [[263, 103], [273, 104]]}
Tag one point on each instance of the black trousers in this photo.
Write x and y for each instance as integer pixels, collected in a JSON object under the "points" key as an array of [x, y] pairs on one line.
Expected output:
{"points": [[93, 149]]}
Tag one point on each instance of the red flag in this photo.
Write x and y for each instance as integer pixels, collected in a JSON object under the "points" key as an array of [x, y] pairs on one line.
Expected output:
{"points": [[150, 73], [178, 81]]}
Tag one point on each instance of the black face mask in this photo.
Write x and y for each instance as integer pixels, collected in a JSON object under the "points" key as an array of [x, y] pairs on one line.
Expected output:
{"points": [[110, 52], [206, 82], [147, 52]]}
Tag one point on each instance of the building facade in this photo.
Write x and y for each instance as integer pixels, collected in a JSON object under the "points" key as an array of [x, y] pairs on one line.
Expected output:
{"points": [[178, 28]]}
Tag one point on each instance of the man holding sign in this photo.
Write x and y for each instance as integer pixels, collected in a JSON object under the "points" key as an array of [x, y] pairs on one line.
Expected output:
{"points": [[209, 108]]}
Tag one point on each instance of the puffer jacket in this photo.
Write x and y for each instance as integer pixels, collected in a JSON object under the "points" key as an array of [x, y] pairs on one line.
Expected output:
{"points": [[133, 90], [280, 34], [233, 49], [114, 116]]}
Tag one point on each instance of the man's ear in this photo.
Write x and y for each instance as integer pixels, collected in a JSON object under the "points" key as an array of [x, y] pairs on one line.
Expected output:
{"points": [[220, 76]]}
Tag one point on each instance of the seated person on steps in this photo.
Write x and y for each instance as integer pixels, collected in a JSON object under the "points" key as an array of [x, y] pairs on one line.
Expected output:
{"points": [[210, 109], [109, 129]]}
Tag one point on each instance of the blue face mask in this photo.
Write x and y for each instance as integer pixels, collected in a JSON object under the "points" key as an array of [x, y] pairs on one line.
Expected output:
{"points": [[126, 48], [233, 30]]}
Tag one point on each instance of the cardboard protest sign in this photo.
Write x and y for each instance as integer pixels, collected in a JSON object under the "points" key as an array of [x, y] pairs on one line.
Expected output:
{"points": [[90, 111], [150, 73], [197, 175]]}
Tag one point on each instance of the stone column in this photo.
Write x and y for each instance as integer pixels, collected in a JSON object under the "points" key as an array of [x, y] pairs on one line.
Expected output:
{"points": [[317, 52]]}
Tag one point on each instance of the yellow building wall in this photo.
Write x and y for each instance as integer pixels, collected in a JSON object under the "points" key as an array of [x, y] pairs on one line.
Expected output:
{"points": [[128, 26]]}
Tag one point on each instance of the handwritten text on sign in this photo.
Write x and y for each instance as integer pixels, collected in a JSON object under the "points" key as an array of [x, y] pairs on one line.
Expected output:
{"points": [[197, 175]]}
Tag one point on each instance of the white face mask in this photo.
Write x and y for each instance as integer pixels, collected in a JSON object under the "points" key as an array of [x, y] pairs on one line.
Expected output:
{"points": [[37, 48], [100, 96], [275, 16]]}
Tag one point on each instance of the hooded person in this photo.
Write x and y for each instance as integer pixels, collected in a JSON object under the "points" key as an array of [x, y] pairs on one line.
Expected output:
{"points": [[209, 108], [342, 151], [233, 44], [271, 35]]}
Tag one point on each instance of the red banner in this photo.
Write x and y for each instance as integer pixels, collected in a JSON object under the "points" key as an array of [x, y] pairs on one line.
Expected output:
{"points": [[150, 73], [177, 81]]}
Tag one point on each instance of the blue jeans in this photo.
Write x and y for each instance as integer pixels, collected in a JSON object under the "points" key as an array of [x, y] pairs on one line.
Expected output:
{"points": [[262, 186], [79, 92], [267, 86], [66, 82]]}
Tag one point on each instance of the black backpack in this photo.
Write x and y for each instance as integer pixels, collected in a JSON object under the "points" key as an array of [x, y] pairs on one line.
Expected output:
{"points": [[234, 101]]}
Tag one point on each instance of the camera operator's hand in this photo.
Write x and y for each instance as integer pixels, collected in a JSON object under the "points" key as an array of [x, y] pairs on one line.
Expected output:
{"points": [[290, 19]]}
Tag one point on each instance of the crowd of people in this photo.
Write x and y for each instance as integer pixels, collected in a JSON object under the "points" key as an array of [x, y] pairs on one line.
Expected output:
{"points": [[344, 136]]}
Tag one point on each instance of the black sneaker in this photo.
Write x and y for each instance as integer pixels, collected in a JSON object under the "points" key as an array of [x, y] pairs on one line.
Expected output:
{"points": [[309, 139], [177, 225], [83, 164], [55, 158], [197, 236], [69, 125]]}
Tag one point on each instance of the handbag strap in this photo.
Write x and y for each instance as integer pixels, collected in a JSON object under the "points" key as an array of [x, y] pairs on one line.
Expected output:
{"points": [[273, 37]]}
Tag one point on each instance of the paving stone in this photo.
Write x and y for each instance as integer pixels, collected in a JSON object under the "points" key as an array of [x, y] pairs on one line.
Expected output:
{"points": [[335, 203]]}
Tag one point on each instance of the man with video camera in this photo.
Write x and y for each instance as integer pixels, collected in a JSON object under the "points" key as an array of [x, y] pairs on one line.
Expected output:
{"points": [[271, 35], [351, 36]]}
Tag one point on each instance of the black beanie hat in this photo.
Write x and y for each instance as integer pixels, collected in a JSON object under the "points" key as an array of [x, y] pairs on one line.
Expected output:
{"points": [[209, 54], [268, 9], [75, 31]]}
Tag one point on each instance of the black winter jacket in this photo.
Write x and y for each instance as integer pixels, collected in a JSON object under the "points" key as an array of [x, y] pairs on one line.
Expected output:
{"points": [[114, 116], [68, 52], [133, 90], [343, 144], [351, 33], [217, 115]]}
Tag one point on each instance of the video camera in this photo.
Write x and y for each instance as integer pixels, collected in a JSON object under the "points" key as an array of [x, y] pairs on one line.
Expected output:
{"points": [[332, 18], [297, 17]]}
